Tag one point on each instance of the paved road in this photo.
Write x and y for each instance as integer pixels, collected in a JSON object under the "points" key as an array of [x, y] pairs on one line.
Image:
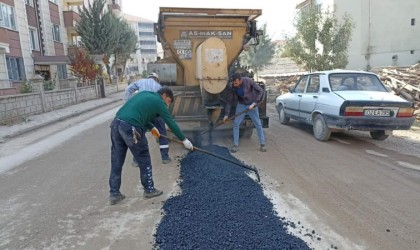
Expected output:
{"points": [[365, 191], [355, 194]]}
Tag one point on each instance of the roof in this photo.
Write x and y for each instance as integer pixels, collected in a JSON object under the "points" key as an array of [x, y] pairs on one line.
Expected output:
{"points": [[335, 71], [136, 19], [250, 14]]}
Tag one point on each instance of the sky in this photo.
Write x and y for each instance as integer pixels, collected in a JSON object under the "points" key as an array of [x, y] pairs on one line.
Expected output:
{"points": [[278, 15]]}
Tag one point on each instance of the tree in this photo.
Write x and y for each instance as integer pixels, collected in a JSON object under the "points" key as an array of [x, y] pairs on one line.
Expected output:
{"points": [[96, 30], [103, 33], [127, 44], [83, 66], [321, 41], [261, 55]]}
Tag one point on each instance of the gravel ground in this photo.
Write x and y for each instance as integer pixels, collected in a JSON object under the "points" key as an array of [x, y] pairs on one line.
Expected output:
{"points": [[221, 207], [402, 141]]}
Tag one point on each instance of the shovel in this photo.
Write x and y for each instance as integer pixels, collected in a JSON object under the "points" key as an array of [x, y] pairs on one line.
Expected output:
{"points": [[217, 156], [197, 137]]}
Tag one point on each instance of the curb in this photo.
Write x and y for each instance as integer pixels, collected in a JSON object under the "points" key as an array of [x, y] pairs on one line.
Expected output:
{"points": [[35, 127]]}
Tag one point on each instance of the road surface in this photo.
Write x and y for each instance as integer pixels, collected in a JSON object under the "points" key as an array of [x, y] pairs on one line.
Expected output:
{"points": [[355, 193]]}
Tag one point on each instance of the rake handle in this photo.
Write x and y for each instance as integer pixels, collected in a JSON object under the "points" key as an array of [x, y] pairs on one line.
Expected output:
{"points": [[221, 122], [217, 156]]}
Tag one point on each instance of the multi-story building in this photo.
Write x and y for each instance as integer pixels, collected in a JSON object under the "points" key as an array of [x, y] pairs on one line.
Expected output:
{"points": [[35, 36], [147, 45], [386, 32]]}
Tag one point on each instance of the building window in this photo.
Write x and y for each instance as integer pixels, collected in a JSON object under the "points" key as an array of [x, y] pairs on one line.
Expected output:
{"points": [[143, 33], [33, 39], [148, 51], [62, 71], [413, 21], [29, 2], [146, 25], [56, 33], [412, 52], [15, 68], [7, 16], [147, 42]]}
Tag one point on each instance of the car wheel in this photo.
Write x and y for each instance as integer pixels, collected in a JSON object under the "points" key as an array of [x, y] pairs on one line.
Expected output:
{"points": [[378, 135], [321, 131], [284, 119]]}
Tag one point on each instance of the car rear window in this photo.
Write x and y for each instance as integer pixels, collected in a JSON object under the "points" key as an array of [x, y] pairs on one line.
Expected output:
{"points": [[355, 82]]}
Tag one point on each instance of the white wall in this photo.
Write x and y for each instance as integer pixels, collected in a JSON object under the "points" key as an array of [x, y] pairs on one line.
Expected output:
{"points": [[47, 28], [383, 29]]}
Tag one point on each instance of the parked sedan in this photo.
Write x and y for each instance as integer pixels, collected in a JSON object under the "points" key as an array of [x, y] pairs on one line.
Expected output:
{"points": [[339, 100]]}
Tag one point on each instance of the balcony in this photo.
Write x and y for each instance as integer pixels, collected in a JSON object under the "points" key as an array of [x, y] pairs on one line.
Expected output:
{"points": [[72, 51], [73, 2], [70, 18]]}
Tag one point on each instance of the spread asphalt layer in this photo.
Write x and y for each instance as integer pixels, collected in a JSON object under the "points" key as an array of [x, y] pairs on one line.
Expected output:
{"points": [[221, 207]]}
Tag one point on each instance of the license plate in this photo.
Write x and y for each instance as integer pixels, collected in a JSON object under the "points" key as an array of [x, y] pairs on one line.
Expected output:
{"points": [[377, 112]]}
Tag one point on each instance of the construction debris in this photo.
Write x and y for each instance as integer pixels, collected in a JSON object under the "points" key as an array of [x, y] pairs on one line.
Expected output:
{"points": [[277, 85], [404, 81]]}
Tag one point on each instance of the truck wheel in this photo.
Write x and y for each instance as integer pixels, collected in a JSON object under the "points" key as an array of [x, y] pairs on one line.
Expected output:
{"points": [[246, 133], [321, 131], [284, 119], [378, 135]]}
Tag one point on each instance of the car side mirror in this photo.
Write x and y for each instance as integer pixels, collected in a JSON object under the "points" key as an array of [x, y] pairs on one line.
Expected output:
{"points": [[290, 90], [326, 90]]}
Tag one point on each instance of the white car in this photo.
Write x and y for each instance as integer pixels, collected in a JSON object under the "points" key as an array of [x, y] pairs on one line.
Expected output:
{"points": [[339, 100]]}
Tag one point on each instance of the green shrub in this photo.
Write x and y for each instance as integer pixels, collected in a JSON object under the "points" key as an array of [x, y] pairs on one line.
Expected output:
{"points": [[26, 87], [49, 85]]}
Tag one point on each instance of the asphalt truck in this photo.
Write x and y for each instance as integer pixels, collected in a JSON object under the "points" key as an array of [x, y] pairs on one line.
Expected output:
{"points": [[201, 47]]}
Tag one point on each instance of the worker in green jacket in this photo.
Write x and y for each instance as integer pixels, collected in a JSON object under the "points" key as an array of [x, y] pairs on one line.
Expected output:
{"points": [[128, 131]]}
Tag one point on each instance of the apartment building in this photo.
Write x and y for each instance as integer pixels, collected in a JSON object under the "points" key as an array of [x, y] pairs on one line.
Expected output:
{"points": [[147, 44], [35, 36], [386, 33]]}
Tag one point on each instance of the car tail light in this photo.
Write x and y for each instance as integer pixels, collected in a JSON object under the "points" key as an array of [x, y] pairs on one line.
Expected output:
{"points": [[353, 111], [405, 112]]}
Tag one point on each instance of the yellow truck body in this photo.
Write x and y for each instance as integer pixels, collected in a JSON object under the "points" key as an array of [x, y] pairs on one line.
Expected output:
{"points": [[200, 45]]}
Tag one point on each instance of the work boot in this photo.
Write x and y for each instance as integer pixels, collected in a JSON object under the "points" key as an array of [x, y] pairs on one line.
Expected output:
{"points": [[263, 148], [166, 161], [234, 149], [116, 198], [152, 194]]}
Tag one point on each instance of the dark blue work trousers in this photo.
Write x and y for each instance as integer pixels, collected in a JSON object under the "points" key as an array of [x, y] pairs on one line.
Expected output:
{"points": [[122, 139], [159, 123]]}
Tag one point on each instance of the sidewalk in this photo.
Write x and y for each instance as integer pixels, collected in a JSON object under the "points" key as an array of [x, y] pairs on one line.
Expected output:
{"points": [[45, 119]]}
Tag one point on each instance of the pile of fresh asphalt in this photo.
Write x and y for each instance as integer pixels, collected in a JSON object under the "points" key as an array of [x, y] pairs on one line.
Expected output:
{"points": [[220, 207]]}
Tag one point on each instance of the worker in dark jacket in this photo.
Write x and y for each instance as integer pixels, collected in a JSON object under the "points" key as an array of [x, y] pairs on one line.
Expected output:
{"points": [[246, 94], [128, 131]]}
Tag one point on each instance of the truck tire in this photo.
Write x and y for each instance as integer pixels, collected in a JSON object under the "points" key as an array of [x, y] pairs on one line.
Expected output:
{"points": [[378, 135], [284, 119], [245, 133], [321, 131]]}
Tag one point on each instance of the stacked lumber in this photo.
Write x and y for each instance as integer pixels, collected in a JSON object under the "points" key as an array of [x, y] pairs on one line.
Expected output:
{"points": [[404, 81]]}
